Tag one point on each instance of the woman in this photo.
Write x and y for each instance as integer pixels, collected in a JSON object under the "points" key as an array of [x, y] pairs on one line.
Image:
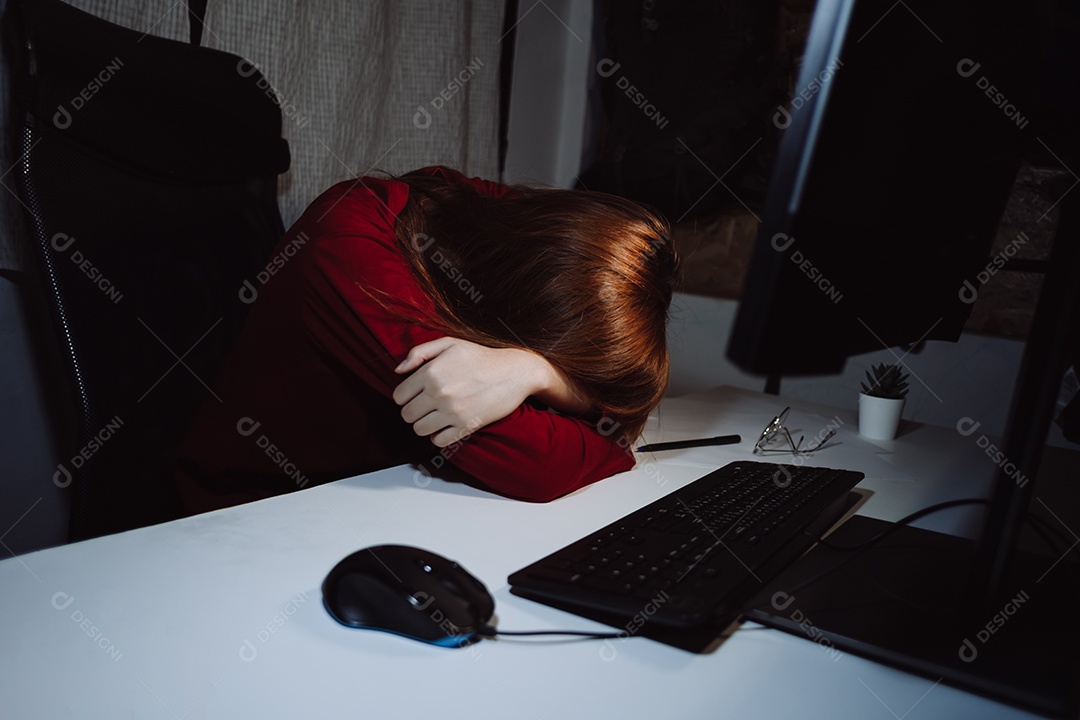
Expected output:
{"points": [[512, 337]]}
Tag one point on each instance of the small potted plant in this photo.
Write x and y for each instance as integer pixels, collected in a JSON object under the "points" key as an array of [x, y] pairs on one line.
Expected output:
{"points": [[882, 401]]}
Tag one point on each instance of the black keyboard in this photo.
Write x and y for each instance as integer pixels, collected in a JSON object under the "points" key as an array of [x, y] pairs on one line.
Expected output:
{"points": [[698, 553]]}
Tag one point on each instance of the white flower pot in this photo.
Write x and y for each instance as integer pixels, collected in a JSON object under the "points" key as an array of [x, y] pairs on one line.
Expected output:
{"points": [[879, 418]]}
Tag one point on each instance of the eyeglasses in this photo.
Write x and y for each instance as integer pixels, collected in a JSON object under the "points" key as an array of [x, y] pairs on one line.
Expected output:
{"points": [[776, 428]]}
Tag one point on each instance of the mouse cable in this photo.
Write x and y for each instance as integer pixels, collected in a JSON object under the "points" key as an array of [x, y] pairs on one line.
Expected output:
{"points": [[491, 633]]}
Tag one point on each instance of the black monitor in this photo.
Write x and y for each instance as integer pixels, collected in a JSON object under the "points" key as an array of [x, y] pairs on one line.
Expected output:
{"points": [[897, 157], [891, 177]]}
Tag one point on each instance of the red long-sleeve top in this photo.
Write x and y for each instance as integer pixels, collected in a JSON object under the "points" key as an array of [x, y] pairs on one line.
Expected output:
{"points": [[305, 395]]}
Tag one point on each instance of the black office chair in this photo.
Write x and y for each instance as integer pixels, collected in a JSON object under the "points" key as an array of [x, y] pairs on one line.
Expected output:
{"points": [[148, 169]]}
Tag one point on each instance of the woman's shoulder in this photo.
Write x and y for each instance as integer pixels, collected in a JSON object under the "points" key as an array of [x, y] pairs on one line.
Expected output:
{"points": [[372, 203], [361, 200]]}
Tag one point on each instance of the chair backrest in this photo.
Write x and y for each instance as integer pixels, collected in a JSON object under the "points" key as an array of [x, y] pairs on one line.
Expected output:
{"points": [[148, 169]]}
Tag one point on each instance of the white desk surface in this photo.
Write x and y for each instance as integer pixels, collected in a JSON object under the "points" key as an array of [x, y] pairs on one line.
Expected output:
{"points": [[220, 615]]}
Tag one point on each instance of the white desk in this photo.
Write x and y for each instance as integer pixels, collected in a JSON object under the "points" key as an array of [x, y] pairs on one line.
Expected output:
{"points": [[220, 615]]}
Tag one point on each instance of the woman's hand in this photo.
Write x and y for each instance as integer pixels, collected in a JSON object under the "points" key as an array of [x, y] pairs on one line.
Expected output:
{"points": [[457, 387]]}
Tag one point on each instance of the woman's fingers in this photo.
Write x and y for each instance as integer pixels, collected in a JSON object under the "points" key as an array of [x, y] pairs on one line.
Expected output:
{"points": [[422, 353]]}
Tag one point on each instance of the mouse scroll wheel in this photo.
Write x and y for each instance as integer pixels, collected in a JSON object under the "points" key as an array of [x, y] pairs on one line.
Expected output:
{"points": [[424, 565]]}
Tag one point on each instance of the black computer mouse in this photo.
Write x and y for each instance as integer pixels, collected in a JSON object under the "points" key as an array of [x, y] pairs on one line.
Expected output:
{"points": [[408, 591]]}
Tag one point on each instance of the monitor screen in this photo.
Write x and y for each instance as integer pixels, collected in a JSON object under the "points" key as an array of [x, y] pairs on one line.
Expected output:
{"points": [[892, 174]]}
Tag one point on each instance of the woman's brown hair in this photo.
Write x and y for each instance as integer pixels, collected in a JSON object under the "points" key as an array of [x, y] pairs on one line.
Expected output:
{"points": [[582, 278]]}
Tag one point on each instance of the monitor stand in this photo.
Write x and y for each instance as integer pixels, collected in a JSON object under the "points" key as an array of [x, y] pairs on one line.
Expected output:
{"points": [[901, 602]]}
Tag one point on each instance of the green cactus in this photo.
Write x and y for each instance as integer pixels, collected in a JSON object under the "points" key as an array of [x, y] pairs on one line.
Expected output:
{"points": [[886, 381]]}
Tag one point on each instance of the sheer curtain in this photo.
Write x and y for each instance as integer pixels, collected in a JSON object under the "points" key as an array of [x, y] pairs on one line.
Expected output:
{"points": [[363, 86]]}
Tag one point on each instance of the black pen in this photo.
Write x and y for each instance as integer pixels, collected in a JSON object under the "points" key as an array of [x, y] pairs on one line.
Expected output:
{"points": [[700, 442]]}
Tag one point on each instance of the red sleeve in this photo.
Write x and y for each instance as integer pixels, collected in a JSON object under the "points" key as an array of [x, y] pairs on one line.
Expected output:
{"points": [[360, 301]]}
